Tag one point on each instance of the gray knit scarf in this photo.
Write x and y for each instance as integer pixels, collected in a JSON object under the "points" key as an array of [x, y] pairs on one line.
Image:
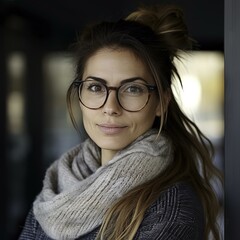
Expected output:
{"points": [[77, 190]]}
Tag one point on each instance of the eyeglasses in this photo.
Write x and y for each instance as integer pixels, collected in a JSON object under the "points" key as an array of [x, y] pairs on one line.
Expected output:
{"points": [[131, 96]]}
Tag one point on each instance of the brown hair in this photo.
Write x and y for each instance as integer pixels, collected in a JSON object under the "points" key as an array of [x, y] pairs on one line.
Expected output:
{"points": [[156, 35]]}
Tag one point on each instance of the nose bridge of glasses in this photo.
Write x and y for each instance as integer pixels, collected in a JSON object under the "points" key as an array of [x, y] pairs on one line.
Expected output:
{"points": [[112, 88], [114, 97], [109, 89]]}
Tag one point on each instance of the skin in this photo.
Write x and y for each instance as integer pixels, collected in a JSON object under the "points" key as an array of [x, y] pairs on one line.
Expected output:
{"points": [[111, 127]]}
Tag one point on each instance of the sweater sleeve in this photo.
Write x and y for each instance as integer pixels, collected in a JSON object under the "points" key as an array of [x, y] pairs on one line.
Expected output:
{"points": [[176, 215]]}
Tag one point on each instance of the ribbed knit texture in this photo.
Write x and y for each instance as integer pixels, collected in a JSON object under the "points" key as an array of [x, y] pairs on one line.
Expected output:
{"points": [[77, 191]]}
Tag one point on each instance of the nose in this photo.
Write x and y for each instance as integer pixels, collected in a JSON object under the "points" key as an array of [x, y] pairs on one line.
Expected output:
{"points": [[112, 107]]}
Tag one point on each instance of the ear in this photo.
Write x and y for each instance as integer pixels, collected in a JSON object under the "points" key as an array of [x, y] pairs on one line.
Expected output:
{"points": [[166, 99]]}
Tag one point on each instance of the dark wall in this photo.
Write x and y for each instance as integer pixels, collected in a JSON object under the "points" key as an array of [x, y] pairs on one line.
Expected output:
{"points": [[232, 119], [58, 21]]}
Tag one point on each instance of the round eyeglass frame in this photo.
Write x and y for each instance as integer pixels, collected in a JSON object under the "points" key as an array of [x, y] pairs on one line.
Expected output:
{"points": [[150, 88]]}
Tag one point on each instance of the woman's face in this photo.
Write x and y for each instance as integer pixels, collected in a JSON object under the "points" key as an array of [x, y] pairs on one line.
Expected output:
{"points": [[111, 127]]}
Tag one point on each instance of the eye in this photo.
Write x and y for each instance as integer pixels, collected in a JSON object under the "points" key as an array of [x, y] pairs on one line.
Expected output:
{"points": [[133, 89], [94, 87]]}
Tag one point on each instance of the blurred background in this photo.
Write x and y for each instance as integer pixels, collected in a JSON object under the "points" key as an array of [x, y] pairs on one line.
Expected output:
{"points": [[36, 69]]}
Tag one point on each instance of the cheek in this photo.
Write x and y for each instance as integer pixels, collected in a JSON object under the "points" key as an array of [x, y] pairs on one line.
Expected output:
{"points": [[144, 121], [152, 114], [88, 124], [86, 117]]}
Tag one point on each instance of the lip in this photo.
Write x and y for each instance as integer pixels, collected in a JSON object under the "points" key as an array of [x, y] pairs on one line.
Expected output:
{"points": [[111, 129]]}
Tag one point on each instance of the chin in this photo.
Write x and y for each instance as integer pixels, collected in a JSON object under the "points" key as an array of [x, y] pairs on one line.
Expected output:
{"points": [[111, 145]]}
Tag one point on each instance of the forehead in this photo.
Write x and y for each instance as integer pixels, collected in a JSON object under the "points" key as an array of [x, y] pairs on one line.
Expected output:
{"points": [[114, 55], [118, 63]]}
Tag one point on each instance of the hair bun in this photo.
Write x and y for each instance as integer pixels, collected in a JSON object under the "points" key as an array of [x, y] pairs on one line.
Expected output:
{"points": [[167, 22]]}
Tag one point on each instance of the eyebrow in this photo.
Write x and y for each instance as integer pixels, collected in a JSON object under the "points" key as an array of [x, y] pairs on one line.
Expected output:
{"points": [[122, 82]]}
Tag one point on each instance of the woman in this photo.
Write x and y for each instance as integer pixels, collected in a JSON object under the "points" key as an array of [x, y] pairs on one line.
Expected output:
{"points": [[145, 170]]}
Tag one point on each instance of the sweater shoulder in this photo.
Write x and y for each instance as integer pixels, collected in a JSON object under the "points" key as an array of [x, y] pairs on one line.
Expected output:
{"points": [[176, 214], [32, 230], [181, 194]]}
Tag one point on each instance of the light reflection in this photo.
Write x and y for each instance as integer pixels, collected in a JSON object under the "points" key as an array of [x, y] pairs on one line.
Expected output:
{"points": [[16, 67], [201, 97], [190, 96], [15, 112]]}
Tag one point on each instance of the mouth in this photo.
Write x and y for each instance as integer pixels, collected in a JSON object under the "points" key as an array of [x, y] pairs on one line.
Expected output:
{"points": [[111, 129]]}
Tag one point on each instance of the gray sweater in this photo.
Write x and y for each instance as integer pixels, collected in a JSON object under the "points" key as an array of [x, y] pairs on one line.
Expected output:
{"points": [[176, 215]]}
